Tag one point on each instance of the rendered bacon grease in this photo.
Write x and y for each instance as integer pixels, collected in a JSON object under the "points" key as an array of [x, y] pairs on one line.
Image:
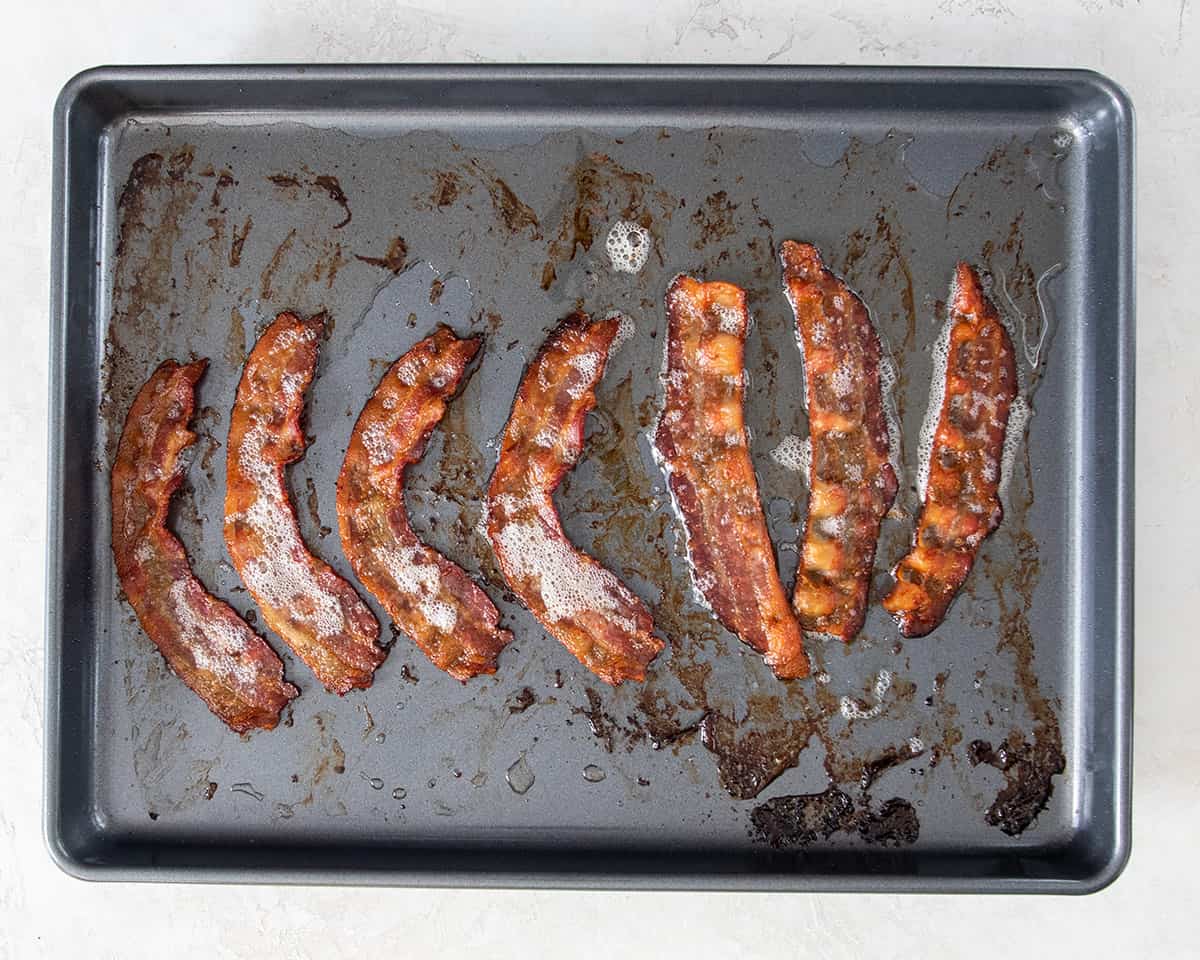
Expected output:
{"points": [[583, 605], [205, 643], [430, 598], [701, 440], [302, 599], [851, 480], [975, 384]]}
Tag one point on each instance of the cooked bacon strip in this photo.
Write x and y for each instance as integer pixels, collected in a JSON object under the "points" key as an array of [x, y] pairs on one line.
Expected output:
{"points": [[430, 598], [701, 439], [578, 601], [962, 501], [302, 599], [207, 645], [851, 482]]}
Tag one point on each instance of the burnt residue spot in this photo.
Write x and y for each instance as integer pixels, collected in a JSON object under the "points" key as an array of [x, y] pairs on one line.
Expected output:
{"points": [[210, 791], [802, 819], [894, 825], [447, 186], [435, 290], [522, 700], [395, 258], [714, 219], [876, 766], [332, 187], [285, 181], [407, 675], [749, 757], [1029, 770], [515, 214], [239, 241]]}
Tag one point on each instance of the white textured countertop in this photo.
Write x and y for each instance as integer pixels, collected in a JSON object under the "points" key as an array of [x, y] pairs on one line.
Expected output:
{"points": [[1152, 48]]}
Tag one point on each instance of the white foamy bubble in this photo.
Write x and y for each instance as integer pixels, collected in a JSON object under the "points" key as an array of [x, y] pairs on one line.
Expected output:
{"points": [[419, 579], [626, 328], [794, 453], [568, 584], [851, 709], [379, 443], [546, 437], [933, 412], [408, 371], [1014, 432], [628, 246], [283, 573], [216, 644], [916, 745], [729, 319], [842, 380]]}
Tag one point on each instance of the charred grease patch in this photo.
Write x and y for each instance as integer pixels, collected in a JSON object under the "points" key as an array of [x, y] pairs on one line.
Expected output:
{"points": [[1029, 770], [803, 819]]}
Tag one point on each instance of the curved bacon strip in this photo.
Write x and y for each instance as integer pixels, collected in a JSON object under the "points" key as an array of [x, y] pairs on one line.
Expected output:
{"points": [[851, 481], [430, 598], [962, 501], [302, 599], [578, 601], [205, 643], [701, 439]]}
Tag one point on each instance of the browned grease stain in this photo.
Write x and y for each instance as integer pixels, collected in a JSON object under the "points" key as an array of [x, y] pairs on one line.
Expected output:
{"points": [[447, 187], [224, 181], [333, 188], [750, 756], [150, 209], [803, 819], [602, 189], [435, 290], [715, 219], [462, 480], [513, 213], [235, 340], [239, 241], [313, 503], [265, 288], [395, 258]]}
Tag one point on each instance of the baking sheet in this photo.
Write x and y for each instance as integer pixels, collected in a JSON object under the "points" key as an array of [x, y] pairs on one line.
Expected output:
{"points": [[394, 209]]}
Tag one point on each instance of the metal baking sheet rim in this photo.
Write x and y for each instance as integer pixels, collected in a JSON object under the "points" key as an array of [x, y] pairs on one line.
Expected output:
{"points": [[602, 875]]}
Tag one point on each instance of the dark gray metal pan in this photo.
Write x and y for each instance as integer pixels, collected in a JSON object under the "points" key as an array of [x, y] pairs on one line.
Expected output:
{"points": [[502, 184]]}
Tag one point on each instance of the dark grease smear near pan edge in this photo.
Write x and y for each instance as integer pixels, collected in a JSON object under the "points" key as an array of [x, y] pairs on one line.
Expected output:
{"points": [[150, 209], [804, 819]]}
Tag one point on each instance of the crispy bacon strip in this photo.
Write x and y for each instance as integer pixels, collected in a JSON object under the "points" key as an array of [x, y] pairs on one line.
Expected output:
{"points": [[851, 481], [962, 501], [430, 598], [701, 439], [207, 645], [579, 602], [302, 599]]}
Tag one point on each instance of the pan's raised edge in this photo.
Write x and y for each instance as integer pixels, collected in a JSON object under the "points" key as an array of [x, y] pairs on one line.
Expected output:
{"points": [[94, 99]]}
